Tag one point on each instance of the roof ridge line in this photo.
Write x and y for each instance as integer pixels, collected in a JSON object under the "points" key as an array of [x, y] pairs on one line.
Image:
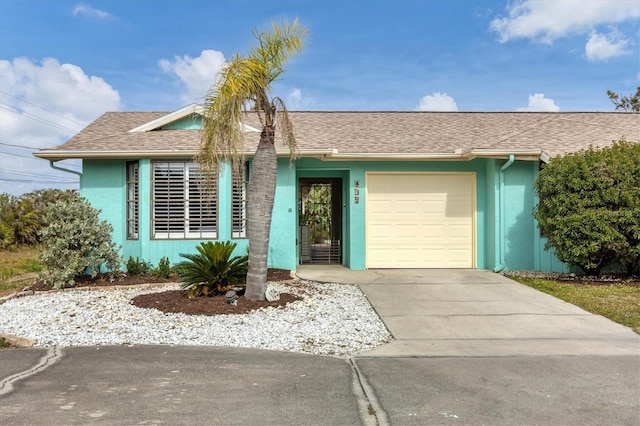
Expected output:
{"points": [[524, 129], [596, 124]]}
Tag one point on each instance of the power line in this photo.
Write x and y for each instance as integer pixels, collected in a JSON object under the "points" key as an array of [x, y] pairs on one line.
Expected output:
{"points": [[39, 181], [21, 173], [18, 155], [35, 117], [34, 158], [39, 107], [18, 146], [21, 136]]}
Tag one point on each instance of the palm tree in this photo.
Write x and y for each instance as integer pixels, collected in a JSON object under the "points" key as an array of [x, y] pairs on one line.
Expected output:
{"points": [[244, 83]]}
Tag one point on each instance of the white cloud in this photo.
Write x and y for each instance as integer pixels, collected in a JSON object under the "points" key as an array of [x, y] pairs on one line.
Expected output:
{"points": [[43, 105], [437, 102], [82, 9], [538, 102], [545, 21], [600, 47], [198, 74], [297, 101]]}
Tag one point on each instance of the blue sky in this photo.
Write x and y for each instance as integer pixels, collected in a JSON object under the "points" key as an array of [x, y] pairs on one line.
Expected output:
{"points": [[63, 63]]}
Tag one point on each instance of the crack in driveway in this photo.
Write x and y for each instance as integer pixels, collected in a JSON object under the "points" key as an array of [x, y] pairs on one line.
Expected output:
{"points": [[49, 358]]}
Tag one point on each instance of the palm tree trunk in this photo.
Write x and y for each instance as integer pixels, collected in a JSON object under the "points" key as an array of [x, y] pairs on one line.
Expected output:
{"points": [[260, 197]]}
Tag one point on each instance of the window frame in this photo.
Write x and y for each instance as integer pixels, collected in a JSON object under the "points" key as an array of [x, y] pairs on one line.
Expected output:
{"points": [[239, 191], [190, 210], [133, 200]]}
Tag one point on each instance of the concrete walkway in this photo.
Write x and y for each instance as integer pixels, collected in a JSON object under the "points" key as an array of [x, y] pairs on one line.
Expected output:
{"points": [[472, 347], [464, 312]]}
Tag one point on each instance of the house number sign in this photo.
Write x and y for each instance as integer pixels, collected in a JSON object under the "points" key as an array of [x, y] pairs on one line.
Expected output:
{"points": [[356, 191]]}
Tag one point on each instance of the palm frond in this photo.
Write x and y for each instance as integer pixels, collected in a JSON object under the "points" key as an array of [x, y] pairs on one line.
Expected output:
{"points": [[286, 127], [244, 80]]}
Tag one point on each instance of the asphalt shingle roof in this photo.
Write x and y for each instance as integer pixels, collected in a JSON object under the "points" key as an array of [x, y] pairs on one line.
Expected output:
{"points": [[384, 132]]}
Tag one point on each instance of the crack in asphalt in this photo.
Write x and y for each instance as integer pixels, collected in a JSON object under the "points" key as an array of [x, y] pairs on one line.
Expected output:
{"points": [[371, 411], [49, 358]]}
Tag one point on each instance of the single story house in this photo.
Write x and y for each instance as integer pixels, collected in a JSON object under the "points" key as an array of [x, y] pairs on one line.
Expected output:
{"points": [[408, 189]]}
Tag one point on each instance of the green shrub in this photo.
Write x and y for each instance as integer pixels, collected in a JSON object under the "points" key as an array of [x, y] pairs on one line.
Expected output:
{"points": [[76, 242], [213, 270], [164, 268], [22, 218], [590, 206], [7, 236], [137, 267]]}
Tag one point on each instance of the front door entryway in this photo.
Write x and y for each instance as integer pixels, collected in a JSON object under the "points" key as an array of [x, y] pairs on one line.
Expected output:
{"points": [[320, 221]]}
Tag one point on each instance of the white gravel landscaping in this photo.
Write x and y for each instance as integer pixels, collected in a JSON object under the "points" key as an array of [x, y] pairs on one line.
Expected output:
{"points": [[332, 319]]}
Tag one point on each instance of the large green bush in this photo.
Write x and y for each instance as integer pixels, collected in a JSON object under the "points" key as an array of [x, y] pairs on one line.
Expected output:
{"points": [[590, 206], [76, 242], [21, 218]]}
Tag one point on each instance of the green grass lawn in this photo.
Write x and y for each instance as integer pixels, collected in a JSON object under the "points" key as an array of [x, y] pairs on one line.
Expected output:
{"points": [[16, 262], [618, 302]]}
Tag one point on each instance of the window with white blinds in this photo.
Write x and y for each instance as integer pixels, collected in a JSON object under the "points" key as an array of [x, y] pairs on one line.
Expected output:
{"points": [[239, 203], [132, 200], [184, 201]]}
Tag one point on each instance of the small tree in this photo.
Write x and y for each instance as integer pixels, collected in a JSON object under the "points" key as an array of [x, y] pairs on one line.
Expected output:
{"points": [[590, 206], [625, 103], [76, 242], [245, 82]]}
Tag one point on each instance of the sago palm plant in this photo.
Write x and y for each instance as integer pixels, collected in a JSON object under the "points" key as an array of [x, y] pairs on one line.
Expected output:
{"points": [[212, 270]]}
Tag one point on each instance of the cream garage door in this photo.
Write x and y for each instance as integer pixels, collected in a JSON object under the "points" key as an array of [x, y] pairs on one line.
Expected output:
{"points": [[420, 220]]}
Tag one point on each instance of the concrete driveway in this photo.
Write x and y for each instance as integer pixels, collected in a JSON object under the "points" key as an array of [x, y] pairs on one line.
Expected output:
{"points": [[472, 347], [465, 312]]}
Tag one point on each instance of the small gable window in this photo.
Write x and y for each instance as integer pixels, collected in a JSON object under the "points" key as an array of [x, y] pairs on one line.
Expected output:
{"points": [[185, 201], [132, 200]]}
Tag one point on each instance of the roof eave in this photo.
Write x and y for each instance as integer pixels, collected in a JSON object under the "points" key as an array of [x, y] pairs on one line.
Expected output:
{"points": [[458, 155], [392, 156], [519, 154], [322, 154], [58, 155]]}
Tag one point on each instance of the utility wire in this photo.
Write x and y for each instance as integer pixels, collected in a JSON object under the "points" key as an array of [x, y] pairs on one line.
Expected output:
{"points": [[22, 137], [36, 118], [18, 146], [21, 173], [35, 158], [38, 181], [39, 107], [18, 155]]}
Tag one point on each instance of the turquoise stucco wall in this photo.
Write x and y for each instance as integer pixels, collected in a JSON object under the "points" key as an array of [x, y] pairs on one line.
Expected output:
{"points": [[518, 218], [284, 223], [103, 184], [523, 244]]}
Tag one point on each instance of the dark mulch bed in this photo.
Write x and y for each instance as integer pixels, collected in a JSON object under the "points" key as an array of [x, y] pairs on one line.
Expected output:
{"points": [[176, 301]]}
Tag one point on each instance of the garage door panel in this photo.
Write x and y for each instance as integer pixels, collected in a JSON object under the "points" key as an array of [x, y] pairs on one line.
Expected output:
{"points": [[421, 220]]}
